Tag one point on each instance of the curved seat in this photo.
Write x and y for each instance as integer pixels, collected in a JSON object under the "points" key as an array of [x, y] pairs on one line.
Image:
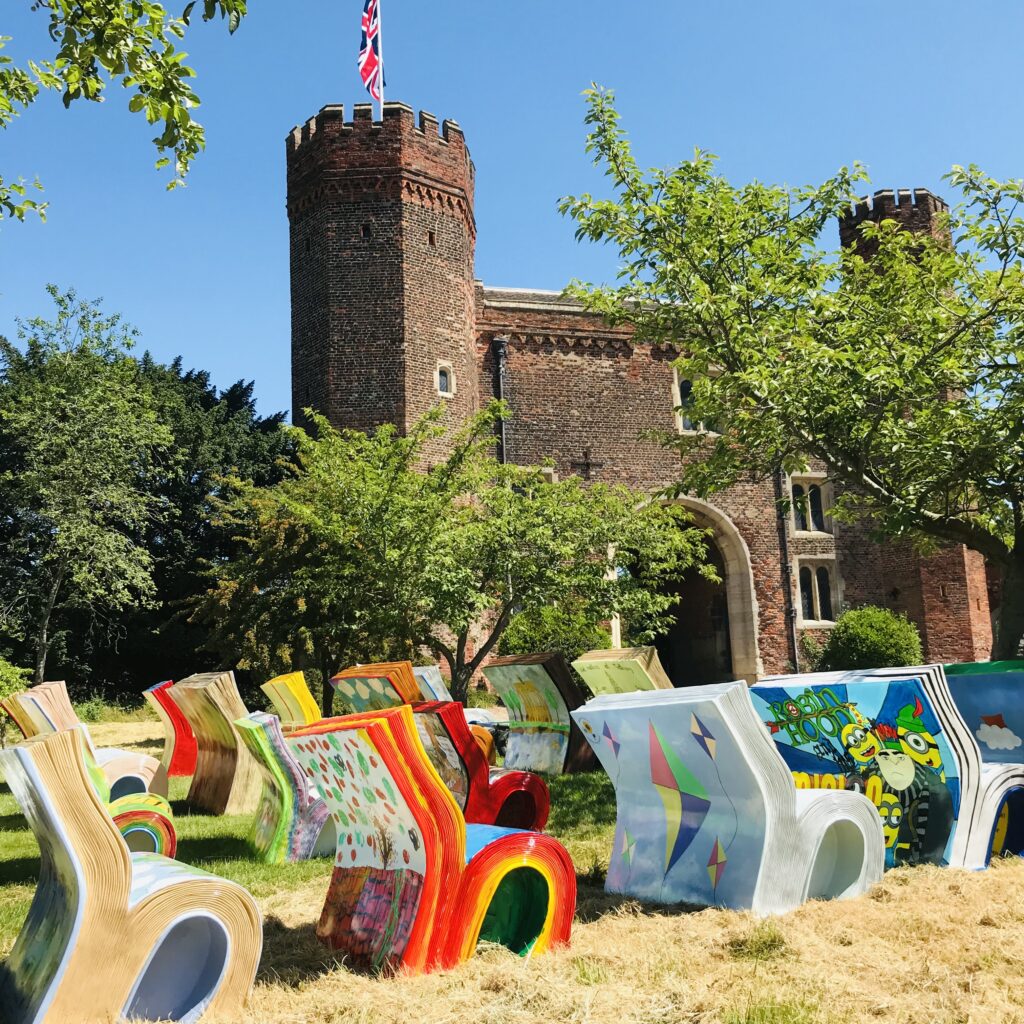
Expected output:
{"points": [[46, 709], [622, 670], [295, 705], [113, 934], [179, 756], [540, 694], [291, 818], [375, 687], [227, 778], [707, 811], [413, 885], [485, 795], [942, 803]]}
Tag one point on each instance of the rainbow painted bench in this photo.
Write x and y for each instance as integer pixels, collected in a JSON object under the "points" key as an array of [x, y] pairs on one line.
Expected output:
{"points": [[414, 886], [113, 934], [179, 756]]}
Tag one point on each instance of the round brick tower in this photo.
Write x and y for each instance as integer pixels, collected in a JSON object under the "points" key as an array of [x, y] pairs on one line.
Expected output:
{"points": [[382, 239]]}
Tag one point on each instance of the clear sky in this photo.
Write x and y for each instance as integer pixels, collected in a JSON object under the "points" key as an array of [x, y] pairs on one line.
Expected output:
{"points": [[782, 90]]}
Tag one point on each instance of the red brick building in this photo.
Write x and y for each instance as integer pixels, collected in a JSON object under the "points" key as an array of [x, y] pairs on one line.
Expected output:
{"points": [[388, 320]]}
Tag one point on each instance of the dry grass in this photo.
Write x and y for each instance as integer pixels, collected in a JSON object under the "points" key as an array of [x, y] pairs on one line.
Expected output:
{"points": [[927, 946]]}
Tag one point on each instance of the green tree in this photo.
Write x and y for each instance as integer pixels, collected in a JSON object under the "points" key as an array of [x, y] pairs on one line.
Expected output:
{"points": [[902, 371], [362, 553], [132, 43], [12, 680], [78, 432], [554, 627]]}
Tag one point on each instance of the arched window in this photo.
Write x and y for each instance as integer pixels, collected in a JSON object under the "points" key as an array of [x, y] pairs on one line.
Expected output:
{"points": [[445, 379], [817, 510], [824, 594], [807, 593], [799, 507]]}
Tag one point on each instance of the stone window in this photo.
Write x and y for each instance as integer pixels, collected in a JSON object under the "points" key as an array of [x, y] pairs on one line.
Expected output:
{"points": [[682, 400], [432, 239], [818, 592], [811, 503], [445, 380]]}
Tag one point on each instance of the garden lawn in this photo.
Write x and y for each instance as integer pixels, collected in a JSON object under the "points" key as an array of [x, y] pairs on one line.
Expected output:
{"points": [[927, 946]]}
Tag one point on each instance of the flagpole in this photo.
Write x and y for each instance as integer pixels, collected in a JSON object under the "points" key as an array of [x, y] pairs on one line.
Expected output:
{"points": [[380, 54]]}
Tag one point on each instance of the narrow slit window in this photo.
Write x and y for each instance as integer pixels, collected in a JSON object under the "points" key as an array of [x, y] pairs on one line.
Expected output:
{"points": [[366, 231], [824, 594], [431, 239]]}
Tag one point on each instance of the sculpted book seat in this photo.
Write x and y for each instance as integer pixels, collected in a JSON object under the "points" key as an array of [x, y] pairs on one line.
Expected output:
{"points": [[179, 757], [707, 812], [111, 934], [413, 884]]}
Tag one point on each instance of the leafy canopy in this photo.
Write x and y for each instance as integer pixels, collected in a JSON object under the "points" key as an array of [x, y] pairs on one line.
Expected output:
{"points": [[902, 371], [129, 42], [78, 435], [366, 552], [870, 637]]}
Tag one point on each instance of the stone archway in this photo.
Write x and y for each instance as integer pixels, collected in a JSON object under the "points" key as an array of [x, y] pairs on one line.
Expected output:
{"points": [[731, 556]]}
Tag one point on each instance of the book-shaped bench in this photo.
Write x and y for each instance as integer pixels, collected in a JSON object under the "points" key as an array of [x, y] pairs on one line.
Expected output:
{"points": [[903, 741], [179, 756], [707, 812], [414, 886], [539, 692], [113, 934], [485, 795], [227, 779], [291, 818], [622, 670], [46, 708], [990, 697], [294, 705], [375, 687]]}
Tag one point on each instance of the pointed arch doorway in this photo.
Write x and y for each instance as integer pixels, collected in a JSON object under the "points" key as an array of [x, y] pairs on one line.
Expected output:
{"points": [[715, 636]]}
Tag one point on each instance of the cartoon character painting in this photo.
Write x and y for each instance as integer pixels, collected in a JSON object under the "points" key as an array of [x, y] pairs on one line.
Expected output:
{"points": [[879, 737]]}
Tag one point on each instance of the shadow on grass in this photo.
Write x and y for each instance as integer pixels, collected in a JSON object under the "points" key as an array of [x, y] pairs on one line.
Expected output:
{"points": [[293, 956], [13, 823], [584, 799], [593, 904], [213, 848], [19, 871]]}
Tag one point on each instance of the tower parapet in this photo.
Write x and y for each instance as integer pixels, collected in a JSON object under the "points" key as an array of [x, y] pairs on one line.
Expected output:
{"points": [[915, 210], [382, 250]]}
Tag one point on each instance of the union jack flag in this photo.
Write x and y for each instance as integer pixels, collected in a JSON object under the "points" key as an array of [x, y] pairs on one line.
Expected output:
{"points": [[371, 67]]}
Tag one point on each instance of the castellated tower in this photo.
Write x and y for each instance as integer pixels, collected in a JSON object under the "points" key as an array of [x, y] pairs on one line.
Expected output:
{"points": [[382, 244], [915, 210]]}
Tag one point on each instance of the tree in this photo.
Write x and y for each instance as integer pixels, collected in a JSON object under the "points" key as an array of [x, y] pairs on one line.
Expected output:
{"points": [[130, 42], [902, 371], [363, 553], [78, 432], [12, 680], [870, 637]]}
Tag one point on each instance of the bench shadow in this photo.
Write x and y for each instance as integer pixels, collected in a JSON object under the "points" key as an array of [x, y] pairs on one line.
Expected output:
{"points": [[13, 823], [20, 871], [593, 904], [213, 848], [294, 956]]}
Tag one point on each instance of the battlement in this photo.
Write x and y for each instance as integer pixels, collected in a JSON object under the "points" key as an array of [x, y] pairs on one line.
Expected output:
{"points": [[399, 119], [916, 209]]}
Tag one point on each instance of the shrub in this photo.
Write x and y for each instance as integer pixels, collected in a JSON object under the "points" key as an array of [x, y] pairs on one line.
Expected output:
{"points": [[12, 680], [871, 638], [554, 628]]}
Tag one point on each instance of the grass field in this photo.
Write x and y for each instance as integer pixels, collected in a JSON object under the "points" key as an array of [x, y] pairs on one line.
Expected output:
{"points": [[927, 946]]}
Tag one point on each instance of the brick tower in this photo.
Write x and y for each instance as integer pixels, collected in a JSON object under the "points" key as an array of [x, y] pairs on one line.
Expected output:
{"points": [[382, 239], [915, 210]]}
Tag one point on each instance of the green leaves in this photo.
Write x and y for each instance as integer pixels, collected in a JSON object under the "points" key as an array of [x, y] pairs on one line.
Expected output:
{"points": [[132, 43]]}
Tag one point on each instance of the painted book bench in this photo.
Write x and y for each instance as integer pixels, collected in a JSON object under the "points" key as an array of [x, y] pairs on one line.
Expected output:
{"points": [[540, 692], [295, 706], [375, 687], [46, 708], [227, 779], [414, 886], [115, 935], [622, 670], [897, 735], [707, 812], [485, 795], [292, 822], [179, 756]]}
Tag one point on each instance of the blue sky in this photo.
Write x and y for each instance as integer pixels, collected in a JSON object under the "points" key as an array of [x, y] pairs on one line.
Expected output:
{"points": [[784, 91]]}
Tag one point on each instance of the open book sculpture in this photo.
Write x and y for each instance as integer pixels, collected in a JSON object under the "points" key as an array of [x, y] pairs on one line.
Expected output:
{"points": [[485, 795], [112, 934], [539, 692], [179, 757], [46, 708], [431, 683], [990, 697], [227, 779], [413, 885], [707, 812], [899, 737], [291, 818], [622, 670], [375, 687], [294, 704]]}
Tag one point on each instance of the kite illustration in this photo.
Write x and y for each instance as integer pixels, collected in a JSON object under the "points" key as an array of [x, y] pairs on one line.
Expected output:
{"points": [[606, 732], [703, 736], [685, 799], [716, 864]]}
